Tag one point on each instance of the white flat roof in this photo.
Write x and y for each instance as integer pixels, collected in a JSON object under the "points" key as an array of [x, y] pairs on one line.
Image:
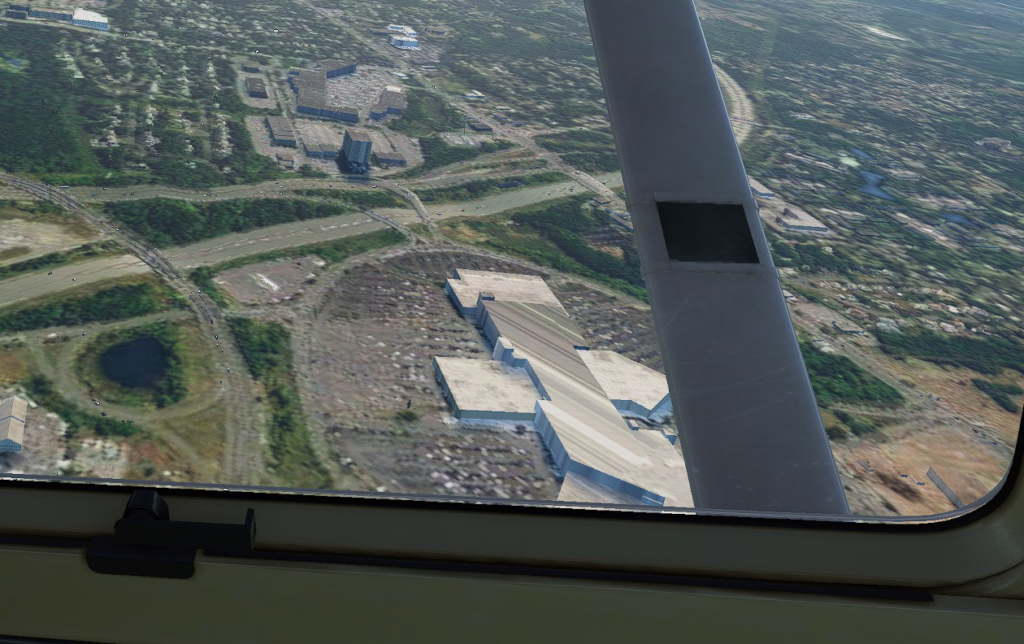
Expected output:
{"points": [[581, 413], [488, 385], [85, 14], [625, 379], [512, 287]]}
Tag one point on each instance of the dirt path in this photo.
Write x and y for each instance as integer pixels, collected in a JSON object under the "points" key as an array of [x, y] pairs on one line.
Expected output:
{"points": [[742, 109]]}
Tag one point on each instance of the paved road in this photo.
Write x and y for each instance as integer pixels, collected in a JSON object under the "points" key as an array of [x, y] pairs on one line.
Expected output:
{"points": [[244, 457], [62, 278], [262, 240]]}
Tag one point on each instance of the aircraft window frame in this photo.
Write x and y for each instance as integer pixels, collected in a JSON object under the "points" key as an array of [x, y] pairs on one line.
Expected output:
{"points": [[968, 544]]}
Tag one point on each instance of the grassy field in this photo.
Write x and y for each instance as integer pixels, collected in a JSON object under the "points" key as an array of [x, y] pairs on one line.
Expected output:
{"points": [[553, 233]]}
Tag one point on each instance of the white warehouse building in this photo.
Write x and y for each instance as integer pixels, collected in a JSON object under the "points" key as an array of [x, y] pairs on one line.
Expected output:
{"points": [[541, 370], [402, 41], [90, 19]]}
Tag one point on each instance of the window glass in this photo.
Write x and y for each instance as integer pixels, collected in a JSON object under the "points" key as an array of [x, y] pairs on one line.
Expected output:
{"points": [[384, 247]]}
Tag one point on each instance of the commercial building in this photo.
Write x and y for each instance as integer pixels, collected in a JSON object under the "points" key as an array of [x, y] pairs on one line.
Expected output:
{"points": [[13, 413], [251, 66], [390, 159], [51, 14], [401, 41], [281, 132], [356, 149], [18, 6], [797, 219], [436, 31], [256, 87], [474, 95], [17, 15], [90, 19], [311, 89], [333, 68], [479, 126], [592, 446], [403, 29], [320, 141], [391, 101]]}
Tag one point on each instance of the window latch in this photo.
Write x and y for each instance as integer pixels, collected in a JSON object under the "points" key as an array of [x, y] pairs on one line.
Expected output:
{"points": [[147, 543]]}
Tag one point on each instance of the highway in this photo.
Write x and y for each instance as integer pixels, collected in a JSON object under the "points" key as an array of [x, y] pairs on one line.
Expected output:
{"points": [[244, 457], [48, 282]]}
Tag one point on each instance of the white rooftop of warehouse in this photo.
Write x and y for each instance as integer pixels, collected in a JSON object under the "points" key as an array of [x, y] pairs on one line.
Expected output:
{"points": [[91, 16], [488, 385], [625, 379], [468, 285]]}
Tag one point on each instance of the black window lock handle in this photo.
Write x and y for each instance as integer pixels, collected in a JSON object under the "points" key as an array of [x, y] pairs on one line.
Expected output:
{"points": [[147, 522]]}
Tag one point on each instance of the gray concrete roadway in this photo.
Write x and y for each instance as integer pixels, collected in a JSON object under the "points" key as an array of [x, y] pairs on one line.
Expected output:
{"points": [[42, 283]]}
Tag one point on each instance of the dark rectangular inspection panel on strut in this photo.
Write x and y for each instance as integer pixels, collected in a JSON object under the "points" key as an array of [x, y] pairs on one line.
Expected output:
{"points": [[707, 232]]}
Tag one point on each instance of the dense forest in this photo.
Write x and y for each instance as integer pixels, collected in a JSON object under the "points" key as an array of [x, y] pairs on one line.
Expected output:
{"points": [[1000, 393], [837, 379], [114, 303], [40, 131], [588, 150], [437, 153], [266, 348], [171, 222], [988, 355]]}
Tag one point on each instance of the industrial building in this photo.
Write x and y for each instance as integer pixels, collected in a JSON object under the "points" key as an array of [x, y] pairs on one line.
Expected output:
{"points": [[356, 149], [320, 141], [256, 87], [797, 219], [436, 31], [90, 19], [286, 161], [402, 41], [392, 101], [281, 132], [479, 126], [390, 159], [51, 14], [311, 90], [573, 409], [475, 95], [333, 68], [13, 413], [251, 67]]}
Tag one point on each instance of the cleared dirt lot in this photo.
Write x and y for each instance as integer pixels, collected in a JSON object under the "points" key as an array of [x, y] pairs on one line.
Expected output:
{"points": [[270, 282]]}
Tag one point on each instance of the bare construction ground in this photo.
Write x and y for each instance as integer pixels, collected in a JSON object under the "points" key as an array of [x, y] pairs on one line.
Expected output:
{"points": [[270, 282], [360, 90], [25, 235], [365, 367]]}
